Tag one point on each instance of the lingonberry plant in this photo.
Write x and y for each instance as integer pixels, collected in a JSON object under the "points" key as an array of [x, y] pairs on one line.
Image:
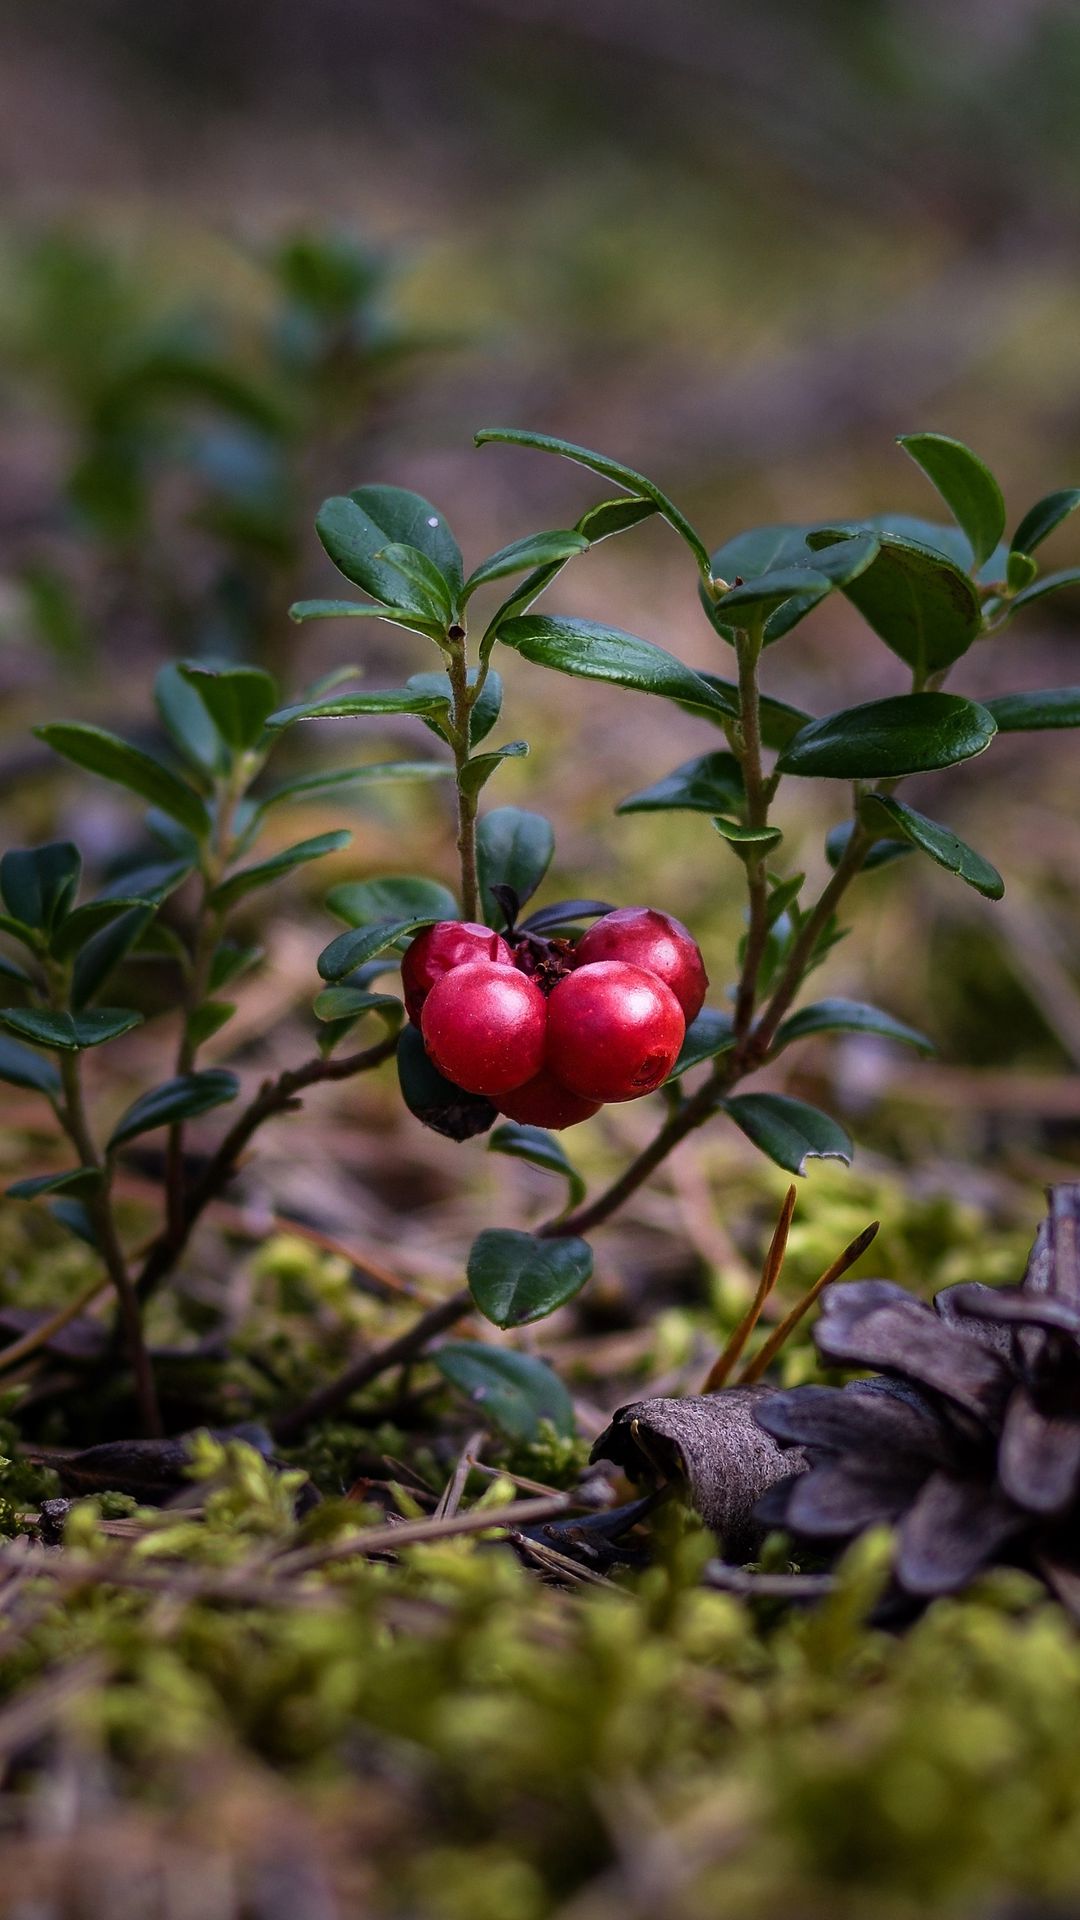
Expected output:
{"points": [[539, 1019]]}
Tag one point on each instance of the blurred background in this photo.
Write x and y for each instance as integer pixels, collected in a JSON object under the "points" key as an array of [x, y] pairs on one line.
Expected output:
{"points": [[255, 253]]}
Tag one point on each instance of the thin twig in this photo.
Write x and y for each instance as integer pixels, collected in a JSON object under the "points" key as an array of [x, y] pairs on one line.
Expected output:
{"points": [[761, 1361], [723, 1366]]}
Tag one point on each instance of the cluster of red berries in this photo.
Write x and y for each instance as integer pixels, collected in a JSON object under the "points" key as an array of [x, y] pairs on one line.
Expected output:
{"points": [[549, 1029]]}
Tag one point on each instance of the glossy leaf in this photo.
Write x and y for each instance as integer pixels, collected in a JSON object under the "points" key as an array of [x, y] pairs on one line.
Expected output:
{"points": [[880, 811], [626, 477], [789, 1131], [408, 518], [69, 1032], [207, 1019], [754, 839], [97, 751], [429, 589], [21, 1067], [966, 485], [535, 550], [230, 962], [101, 955], [515, 1391], [355, 948], [153, 882], [712, 783], [351, 1003], [181, 1098], [248, 879], [593, 652], [1041, 519], [239, 700], [356, 545], [513, 849], [74, 1215], [779, 721], [77, 1180], [756, 598], [347, 706], [712, 1033], [1036, 712], [849, 1016], [515, 1278], [394, 896], [924, 606], [39, 883], [304, 610], [540, 1149], [478, 771], [910, 733]]}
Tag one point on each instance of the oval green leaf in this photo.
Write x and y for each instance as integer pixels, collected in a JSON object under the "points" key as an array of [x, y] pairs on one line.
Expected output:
{"points": [[924, 606], [515, 1391], [513, 849], [1041, 519], [883, 813], [592, 652], [910, 733], [100, 752], [177, 1099], [69, 1032], [713, 1032], [849, 1016], [1036, 712], [789, 1131], [712, 783], [394, 896], [515, 1278], [535, 550], [540, 1149], [966, 485]]}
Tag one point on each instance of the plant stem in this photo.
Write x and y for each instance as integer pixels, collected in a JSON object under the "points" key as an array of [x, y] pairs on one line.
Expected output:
{"points": [[99, 1206], [812, 928], [748, 649], [273, 1097], [463, 700]]}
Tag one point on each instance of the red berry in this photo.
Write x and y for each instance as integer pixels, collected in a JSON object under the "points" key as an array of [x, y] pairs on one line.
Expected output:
{"points": [[483, 1025], [614, 1031], [545, 1102], [449, 943], [656, 941]]}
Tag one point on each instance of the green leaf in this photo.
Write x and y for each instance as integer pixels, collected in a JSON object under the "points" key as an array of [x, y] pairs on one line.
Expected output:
{"points": [[238, 885], [39, 883], [77, 1180], [187, 722], [410, 520], [207, 1019], [1020, 571], [921, 604], [755, 839], [754, 599], [430, 590], [102, 955], [239, 700], [788, 1130], [356, 544], [881, 811], [513, 849], [485, 710], [712, 783], [351, 1003], [80, 927], [153, 882], [22, 1067], [614, 516], [230, 961], [178, 1099], [478, 771], [880, 854], [535, 550], [625, 477], [353, 949], [114, 759], [783, 577], [1048, 583], [1036, 712], [304, 610], [910, 733], [967, 487], [1041, 519], [70, 1032], [515, 1279], [540, 1149], [713, 1032], [848, 1016], [408, 699], [515, 1391], [11, 970], [74, 1215], [779, 722], [394, 896], [559, 915], [593, 652], [385, 772]]}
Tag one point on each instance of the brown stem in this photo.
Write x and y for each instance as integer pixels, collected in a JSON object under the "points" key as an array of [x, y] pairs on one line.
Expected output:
{"points": [[813, 927], [99, 1207], [690, 1115], [273, 1097], [327, 1399], [457, 668], [748, 646]]}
